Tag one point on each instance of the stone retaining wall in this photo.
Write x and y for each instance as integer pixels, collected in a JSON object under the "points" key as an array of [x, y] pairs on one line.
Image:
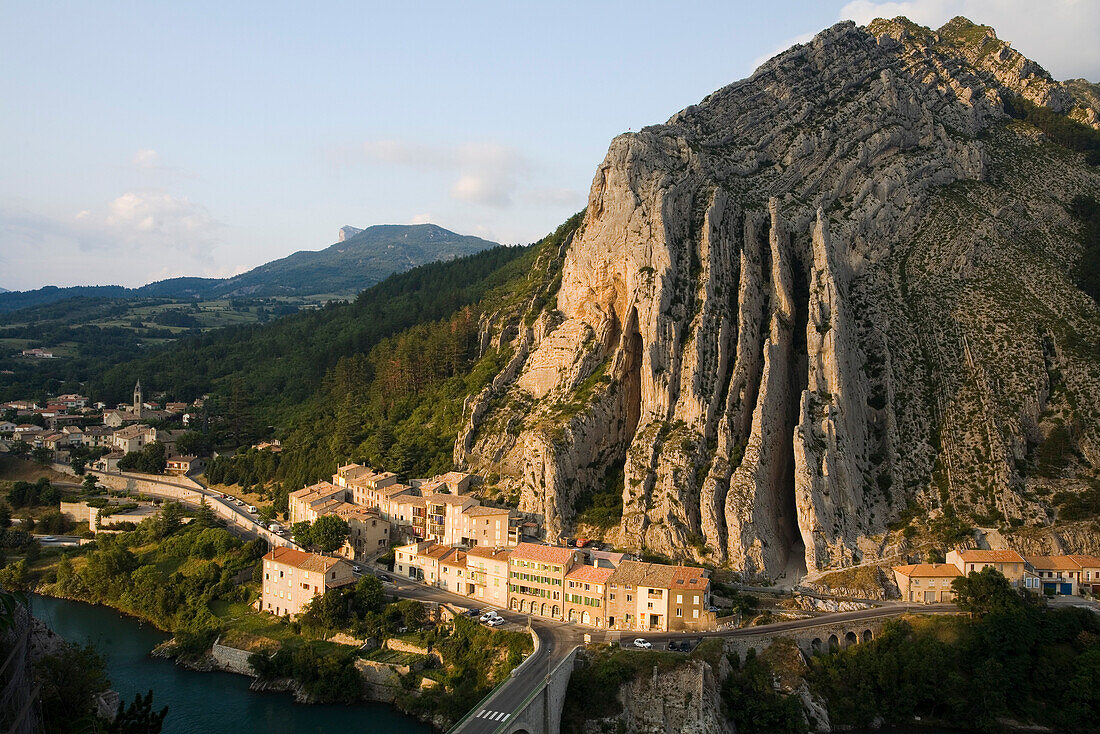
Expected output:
{"points": [[232, 659]]}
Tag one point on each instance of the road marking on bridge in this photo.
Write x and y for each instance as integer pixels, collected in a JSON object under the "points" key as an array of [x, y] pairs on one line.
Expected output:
{"points": [[492, 715]]}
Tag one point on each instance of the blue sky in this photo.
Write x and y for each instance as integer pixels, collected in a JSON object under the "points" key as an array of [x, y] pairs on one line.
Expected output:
{"points": [[146, 140]]}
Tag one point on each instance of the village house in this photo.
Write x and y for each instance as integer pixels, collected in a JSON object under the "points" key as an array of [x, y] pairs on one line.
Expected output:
{"points": [[421, 561], [487, 569], [586, 595], [368, 531], [1089, 577], [309, 503], [133, 438], [454, 573], [38, 353], [487, 526], [71, 401], [926, 583], [445, 521], [7, 427], [292, 578], [1058, 575], [183, 465], [93, 436], [1008, 562], [536, 578], [655, 596]]}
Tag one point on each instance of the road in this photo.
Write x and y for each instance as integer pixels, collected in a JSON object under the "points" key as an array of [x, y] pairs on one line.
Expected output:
{"points": [[558, 639]]}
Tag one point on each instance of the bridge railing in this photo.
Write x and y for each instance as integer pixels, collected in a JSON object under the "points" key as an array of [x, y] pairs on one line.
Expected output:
{"points": [[488, 696], [539, 689]]}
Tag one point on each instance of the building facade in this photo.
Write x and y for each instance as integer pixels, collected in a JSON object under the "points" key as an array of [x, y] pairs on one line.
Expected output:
{"points": [[292, 578]]}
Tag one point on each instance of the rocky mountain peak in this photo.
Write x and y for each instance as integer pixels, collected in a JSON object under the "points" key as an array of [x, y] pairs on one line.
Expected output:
{"points": [[829, 296]]}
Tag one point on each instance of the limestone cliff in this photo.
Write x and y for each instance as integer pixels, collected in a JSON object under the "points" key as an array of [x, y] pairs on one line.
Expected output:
{"points": [[836, 291]]}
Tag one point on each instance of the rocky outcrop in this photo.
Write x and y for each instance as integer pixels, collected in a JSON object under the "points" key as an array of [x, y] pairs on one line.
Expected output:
{"points": [[834, 290], [348, 231], [686, 699]]}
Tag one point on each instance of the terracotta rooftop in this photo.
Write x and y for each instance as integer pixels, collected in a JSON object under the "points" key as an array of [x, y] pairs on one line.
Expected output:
{"points": [[990, 556], [590, 574], [542, 553], [1054, 563], [659, 576], [1085, 561], [395, 489], [483, 510], [488, 551], [929, 570], [316, 490], [301, 559]]}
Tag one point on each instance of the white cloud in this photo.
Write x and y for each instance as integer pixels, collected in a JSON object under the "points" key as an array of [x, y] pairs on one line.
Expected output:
{"points": [[421, 219], [1058, 34], [134, 238], [485, 173]]}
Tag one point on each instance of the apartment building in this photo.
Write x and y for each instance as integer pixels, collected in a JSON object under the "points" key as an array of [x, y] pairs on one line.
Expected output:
{"points": [[926, 583], [586, 595], [368, 531], [309, 503], [487, 569], [654, 596], [445, 521], [292, 578], [366, 488], [536, 578], [1089, 578], [423, 561], [488, 526], [454, 573]]}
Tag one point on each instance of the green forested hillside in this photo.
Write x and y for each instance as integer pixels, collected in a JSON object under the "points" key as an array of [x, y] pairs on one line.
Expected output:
{"points": [[381, 379], [396, 404]]}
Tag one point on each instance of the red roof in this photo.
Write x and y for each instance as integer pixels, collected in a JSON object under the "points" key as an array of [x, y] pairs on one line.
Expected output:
{"points": [[590, 574], [543, 553], [929, 570]]}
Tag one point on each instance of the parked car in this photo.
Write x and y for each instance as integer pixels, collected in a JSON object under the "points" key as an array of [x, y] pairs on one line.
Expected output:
{"points": [[643, 644], [47, 538], [274, 527], [495, 621], [489, 615], [356, 569], [239, 503], [473, 612], [385, 578], [252, 509]]}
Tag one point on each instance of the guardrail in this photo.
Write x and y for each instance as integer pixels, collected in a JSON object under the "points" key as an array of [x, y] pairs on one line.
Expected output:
{"points": [[538, 689], [537, 643]]}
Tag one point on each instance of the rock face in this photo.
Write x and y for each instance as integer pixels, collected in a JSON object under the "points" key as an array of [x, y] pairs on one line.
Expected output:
{"points": [[685, 699], [834, 291], [348, 231]]}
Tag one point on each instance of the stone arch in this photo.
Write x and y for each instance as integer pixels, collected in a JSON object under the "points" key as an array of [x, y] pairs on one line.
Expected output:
{"points": [[515, 604], [543, 612], [868, 635], [555, 612], [815, 646], [586, 618], [834, 643], [850, 639], [572, 615]]}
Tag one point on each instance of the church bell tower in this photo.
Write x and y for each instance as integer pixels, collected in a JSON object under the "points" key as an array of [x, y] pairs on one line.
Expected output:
{"points": [[137, 399]]}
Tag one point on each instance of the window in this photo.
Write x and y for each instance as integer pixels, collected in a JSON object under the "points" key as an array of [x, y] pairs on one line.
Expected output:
{"points": [[629, 597], [679, 598], [679, 612], [695, 613]]}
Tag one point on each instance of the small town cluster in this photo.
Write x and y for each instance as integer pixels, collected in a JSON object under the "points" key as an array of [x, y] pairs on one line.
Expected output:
{"points": [[66, 418], [930, 583], [488, 554]]}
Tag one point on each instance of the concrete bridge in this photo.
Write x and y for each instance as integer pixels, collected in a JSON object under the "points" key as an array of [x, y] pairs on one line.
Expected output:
{"points": [[530, 702]]}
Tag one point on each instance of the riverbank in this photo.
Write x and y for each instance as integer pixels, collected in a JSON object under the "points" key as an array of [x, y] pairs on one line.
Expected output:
{"points": [[214, 702]]}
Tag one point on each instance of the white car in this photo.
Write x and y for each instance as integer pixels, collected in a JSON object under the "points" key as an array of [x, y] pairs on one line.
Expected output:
{"points": [[495, 621], [47, 538], [644, 644], [490, 615], [239, 503], [252, 509]]}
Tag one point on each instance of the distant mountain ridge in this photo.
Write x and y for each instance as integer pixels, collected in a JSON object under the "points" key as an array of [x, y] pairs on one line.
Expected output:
{"points": [[361, 259]]}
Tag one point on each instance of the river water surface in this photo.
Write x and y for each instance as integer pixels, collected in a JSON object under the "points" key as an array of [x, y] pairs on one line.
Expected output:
{"points": [[214, 703]]}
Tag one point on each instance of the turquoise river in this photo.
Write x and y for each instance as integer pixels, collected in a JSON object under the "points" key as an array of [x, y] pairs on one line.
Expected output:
{"points": [[212, 703]]}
